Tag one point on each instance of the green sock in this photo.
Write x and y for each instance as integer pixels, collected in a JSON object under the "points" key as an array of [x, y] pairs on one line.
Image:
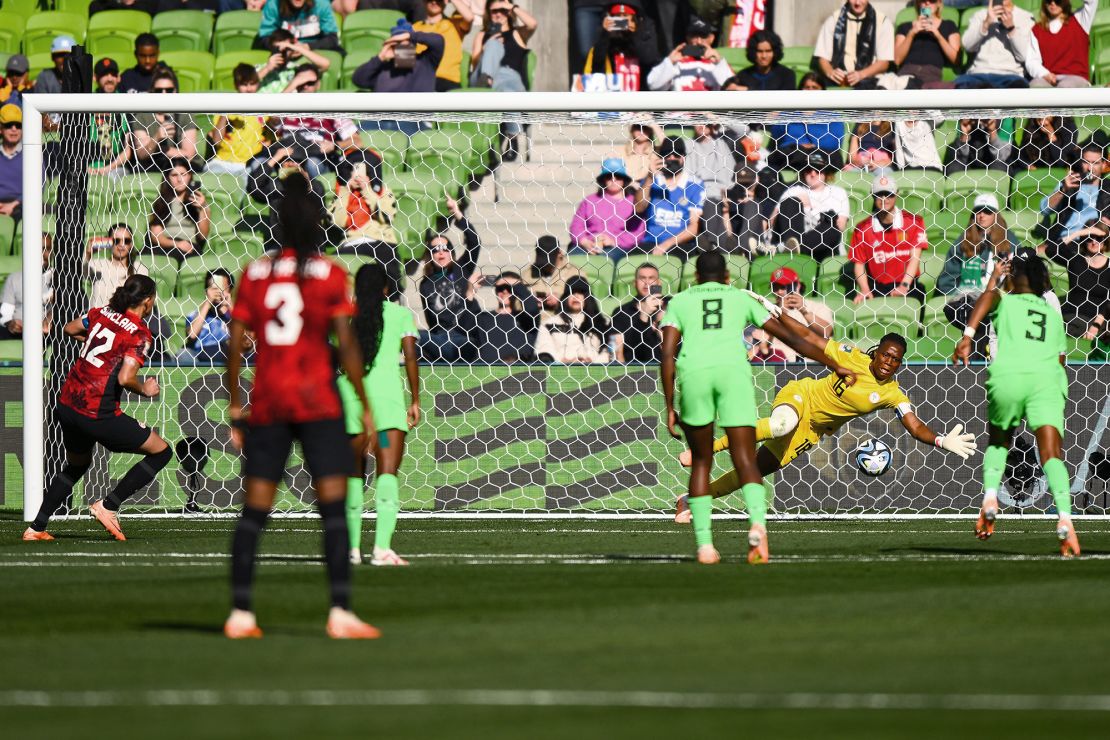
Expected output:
{"points": [[701, 510], [994, 465], [354, 512], [755, 498], [1059, 485], [387, 501]]}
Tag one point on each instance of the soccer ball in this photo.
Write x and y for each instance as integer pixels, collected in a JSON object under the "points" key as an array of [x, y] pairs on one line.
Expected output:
{"points": [[872, 457]]}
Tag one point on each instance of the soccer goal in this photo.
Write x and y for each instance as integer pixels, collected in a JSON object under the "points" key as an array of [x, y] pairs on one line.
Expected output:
{"points": [[510, 426]]}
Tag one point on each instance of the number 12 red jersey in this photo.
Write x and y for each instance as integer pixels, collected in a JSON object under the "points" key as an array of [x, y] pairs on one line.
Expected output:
{"points": [[92, 387], [291, 315]]}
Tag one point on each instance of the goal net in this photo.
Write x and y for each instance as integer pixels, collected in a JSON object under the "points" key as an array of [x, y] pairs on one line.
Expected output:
{"points": [[525, 410]]}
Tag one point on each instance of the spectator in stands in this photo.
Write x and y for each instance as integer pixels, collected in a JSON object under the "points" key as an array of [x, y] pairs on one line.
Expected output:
{"points": [[364, 208], [1083, 253], [11, 161], [639, 150], [693, 65], [670, 202], [236, 139], [109, 261], [16, 80], [709, 159], [310, 21], [886, 247], [508, 332], [577, 332], [627, 47], [111, 141], [855, 46], [11, 297], [323, 140], [180, 220], [499, 59], [413, 10], [447, 293], [789, 292], [812, 214], [636, 333], [796, 141], [926, 45], [761, 349], [916, 146], [265, 175], [1059, 48], [606, 221], [588, 18], [287, 55], [147, 6], [50, 80], [160, 138], [1075, 202], [549, 272], [206, 329], [139, 78], [871, 146], [979, 145], [399, 68], [453, 29], [1049, 141], [765, 72], [998, 36], [746, 222]]}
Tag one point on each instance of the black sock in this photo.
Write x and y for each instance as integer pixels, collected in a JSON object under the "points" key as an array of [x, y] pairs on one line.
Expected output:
{"points": [[335, 552], [58, 491], [140, 474], [244, 546]]}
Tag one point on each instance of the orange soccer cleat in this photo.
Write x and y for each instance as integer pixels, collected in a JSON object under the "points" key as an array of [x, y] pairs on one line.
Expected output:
{"points": [[1069, 543], [758, 551], [708, 555], [344, 625], [682, 513], [241, 625], [108, 519], [33, 535], [984, 525]]}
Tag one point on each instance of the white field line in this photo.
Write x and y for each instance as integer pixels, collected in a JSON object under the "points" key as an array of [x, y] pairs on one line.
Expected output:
{"points": [[683, 530], [447, 516], [558, 698]]}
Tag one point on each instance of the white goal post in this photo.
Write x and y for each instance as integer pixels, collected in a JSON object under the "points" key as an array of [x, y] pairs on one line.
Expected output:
{"points": [[584, 113]]}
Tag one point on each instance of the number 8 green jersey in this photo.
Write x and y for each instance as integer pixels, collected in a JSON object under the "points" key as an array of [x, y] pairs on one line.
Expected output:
{"points": [[1031, 335], [712, 318]]}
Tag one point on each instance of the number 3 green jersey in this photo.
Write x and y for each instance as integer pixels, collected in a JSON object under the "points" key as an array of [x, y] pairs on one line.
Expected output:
{"points": [[1031, 335], [712, 318]]}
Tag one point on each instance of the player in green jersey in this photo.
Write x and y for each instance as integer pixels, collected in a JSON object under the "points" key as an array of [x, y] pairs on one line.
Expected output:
{"points": [[384, 331], [714, 381], [1025, 380]]}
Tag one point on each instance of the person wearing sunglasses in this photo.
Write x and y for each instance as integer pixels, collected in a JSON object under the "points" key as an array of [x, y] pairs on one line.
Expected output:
{"points": [[447, 291], [499, 58], [11, 161], [507, 333], [1060, 45], [159, 138], [109, 261]]}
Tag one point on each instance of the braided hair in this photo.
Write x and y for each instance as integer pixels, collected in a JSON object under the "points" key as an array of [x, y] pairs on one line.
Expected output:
{"points": [[893, 338], [371, 282], [1028, 264], [134, 291], [300, 216]]}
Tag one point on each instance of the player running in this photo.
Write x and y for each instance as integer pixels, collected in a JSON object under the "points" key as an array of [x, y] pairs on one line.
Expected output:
{"points": [[807, 410], [384, 330], [1025, 380], [292, 302], [116, 343], [715, 384]]}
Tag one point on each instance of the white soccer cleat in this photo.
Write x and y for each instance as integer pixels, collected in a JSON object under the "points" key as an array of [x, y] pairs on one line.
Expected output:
{"points": [[383, 556], [344, 625], [241, 625], [355, 556]]}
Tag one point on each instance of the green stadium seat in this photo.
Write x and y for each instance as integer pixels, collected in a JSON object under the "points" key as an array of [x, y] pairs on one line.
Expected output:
{"points": [[11, 31], [390, 146], [355, 59], [183, 30], [736, 57], [163, 271], [222, 79], [829, 274], [194, 69], [225, 195], [464, 70], [670, 273], [931, 265], [445, 175], [962, 188], [1029, 188], [366, 28], [26, 8], [1102, 66], [7, 235], [457, 145], [1058, 275], [943, 226], [416, 213], [9, 264], [42, 27], [739, 271], [11, 350], [797, 56], [760, 276], [598, 269], [870, 320], [112, 32], [1100, 32], [80, 7], [194, 270], [235, 31], [331, 80]]}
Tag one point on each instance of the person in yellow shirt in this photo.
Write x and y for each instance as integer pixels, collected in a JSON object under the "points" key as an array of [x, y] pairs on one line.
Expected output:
{"points": [[808, 409], [453, 29], [236, 139]]}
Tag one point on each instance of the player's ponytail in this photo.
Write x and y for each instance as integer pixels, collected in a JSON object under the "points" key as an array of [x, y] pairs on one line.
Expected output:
{"points": [[1028, 264], [300, 217], [370, 286], [134, 291]]}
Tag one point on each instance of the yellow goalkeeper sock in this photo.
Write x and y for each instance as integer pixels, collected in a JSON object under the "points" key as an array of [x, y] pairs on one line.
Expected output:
{"points": [[721, 444], [725, 485], [763, 429]]}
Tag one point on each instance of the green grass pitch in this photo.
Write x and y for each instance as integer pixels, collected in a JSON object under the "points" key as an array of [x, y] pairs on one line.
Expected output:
{"points": [[563, 628]]}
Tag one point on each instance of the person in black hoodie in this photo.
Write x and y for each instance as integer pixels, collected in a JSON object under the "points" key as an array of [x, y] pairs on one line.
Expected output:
{"points": [[628, 46], [447, 293], [507, 333]]}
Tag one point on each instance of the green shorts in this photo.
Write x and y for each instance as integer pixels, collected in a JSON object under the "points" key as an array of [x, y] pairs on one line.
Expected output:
{"points": [[724, 394], [1037, 399], [386, 401]]}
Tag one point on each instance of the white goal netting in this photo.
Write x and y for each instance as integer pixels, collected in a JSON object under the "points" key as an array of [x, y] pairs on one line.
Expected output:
{"points": [[528, 406]]}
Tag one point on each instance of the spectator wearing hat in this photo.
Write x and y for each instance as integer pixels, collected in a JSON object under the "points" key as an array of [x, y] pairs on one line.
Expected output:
{"points": [[311, 22], [855, 45], [766, 71], [11, 161], [399, 67], [453, 29], [886, 247], [627, 47], [236, 139], [670, 201], [15, 81], [693, 65], [577, 332], [636, 332], [789, 292], [549, 272], [606, 221], [138, 79], [110, 135], [709, 159], [812, 214], [50, 80]]}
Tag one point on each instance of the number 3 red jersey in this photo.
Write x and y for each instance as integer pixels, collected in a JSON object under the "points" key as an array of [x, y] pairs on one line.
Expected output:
{"points": [[92, 387], [291, 316]]}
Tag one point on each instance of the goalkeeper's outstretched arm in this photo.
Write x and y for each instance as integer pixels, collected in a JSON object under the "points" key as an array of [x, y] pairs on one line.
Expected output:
{"points": [[955, 440]]}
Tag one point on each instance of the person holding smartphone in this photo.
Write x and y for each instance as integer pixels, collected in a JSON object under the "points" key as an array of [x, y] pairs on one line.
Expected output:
{"points": [[999, 37], [789, 295], [206, 329], [180, 219], [1075, 202], [636, 333], [692, 65], [628, 46]]}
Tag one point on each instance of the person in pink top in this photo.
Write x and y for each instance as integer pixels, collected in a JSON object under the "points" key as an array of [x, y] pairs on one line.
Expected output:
{"points": [[606, 222]]}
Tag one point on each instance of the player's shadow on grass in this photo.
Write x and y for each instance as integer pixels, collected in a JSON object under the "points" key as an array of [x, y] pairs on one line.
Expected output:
{"points": [[289, 559], [200, 628], [925, 550]]}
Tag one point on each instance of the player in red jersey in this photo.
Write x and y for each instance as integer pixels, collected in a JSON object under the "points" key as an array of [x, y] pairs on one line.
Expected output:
{"points": [[116, 345], [293, 302]]}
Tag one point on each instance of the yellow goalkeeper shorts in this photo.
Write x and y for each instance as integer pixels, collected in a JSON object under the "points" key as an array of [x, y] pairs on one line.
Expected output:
{"points": [[790, 447]]}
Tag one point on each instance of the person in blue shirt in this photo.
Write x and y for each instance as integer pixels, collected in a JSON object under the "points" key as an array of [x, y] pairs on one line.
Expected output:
{"points": [[670, 202], [206, 329], [796, 141], [312, 22], [1075, 202]]}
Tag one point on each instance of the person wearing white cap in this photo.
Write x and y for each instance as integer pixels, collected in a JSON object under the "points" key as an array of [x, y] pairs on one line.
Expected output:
{"points": [[886, 247], [50, 80]]}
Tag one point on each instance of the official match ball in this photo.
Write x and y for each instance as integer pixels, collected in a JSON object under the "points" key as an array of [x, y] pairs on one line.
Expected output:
{"points": [[873, 457]]}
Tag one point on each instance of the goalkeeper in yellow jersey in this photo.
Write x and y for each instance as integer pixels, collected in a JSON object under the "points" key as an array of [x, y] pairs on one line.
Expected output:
{"points": [[806, 410]]}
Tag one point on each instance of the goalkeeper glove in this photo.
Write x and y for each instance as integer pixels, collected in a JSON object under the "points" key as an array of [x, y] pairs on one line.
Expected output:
{"points": [[772, 308], [955, 442]]}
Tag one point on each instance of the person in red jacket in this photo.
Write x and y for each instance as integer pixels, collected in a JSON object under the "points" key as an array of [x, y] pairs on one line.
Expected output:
{"points": [[886, 247], [1059, 48]]}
